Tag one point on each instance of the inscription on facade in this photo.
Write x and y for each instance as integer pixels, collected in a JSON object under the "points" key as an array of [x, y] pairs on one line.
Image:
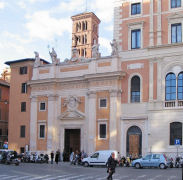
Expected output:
{"points": [[135, 66]]}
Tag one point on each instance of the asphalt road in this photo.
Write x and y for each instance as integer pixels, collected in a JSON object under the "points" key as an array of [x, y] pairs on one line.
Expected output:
{"points": [[65, 171]]}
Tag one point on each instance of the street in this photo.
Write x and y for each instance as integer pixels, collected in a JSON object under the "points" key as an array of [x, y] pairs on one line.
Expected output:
{"points": [[65, 171]]}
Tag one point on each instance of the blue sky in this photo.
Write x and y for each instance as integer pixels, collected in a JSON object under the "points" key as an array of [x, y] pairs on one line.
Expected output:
{"points": [[36, 25]]}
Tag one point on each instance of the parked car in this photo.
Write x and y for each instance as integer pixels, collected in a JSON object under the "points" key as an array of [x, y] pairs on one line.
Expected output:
{"points": [[98, 158], [2, 151], [151, 160]]}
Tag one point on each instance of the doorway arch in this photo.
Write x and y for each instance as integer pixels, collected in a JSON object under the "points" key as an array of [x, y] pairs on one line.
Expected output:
{"points": [[134, 141]]}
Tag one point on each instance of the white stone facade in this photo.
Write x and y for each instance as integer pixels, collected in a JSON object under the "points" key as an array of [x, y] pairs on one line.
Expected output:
{"points": [[113, 74]]}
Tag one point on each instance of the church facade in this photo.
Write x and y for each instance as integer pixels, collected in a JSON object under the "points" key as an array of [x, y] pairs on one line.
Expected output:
{"points": [[130, 101]]}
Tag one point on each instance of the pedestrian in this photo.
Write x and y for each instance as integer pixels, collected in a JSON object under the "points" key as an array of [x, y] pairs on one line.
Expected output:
{"points": [[52, 157], [57, 157], [119, 158], [111, 164], [72, 157]]}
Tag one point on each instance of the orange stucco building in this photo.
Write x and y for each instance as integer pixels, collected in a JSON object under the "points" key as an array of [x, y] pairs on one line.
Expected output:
{"points": [[4, 110]]}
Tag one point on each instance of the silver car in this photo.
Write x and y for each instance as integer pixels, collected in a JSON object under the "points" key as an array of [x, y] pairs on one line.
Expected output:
{"points": [[151, 160]]}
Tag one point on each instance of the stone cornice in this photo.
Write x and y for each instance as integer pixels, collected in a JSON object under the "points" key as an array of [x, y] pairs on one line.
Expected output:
{"points": [[165, 46], [85, 78], [142, 117]]}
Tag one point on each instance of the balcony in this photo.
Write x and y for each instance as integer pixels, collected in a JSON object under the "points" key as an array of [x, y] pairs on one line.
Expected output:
{"points": [[174, 104]]}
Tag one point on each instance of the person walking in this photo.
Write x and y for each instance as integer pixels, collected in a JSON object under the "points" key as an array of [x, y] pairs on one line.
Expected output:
{"points": [[57, 157], [111, 164], [52, 157]]}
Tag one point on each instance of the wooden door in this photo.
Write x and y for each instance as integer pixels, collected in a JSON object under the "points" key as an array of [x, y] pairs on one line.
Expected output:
{"points": [[134, 145]]}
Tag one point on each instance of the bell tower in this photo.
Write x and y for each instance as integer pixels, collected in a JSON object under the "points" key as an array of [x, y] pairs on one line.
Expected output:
{"points": [[85, 31]]}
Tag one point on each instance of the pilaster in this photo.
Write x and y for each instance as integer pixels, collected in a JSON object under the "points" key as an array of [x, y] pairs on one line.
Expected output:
{"points": [[151, 66], [114, 123], [159, 34], [51, 132], [91, 121], [33, 124], [151, 33]]}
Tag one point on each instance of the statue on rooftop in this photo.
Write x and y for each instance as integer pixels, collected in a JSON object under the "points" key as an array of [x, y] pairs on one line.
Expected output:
{"points": [[54, 58], [37, 61], [114, 47], [95, 50]]}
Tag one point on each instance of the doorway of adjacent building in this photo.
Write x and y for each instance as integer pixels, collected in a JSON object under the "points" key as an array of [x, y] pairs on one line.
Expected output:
{"points": [[71, 143], [134, 141]]}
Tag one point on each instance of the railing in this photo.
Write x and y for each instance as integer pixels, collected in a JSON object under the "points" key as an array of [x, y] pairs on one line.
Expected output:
{"points": [[175, 104]]}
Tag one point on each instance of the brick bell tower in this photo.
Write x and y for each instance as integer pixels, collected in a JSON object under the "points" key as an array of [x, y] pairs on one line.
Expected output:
{"points": [[85, 30]]}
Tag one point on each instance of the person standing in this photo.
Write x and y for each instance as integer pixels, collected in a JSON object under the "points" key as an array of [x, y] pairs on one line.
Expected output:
{"points": [[57, 157], [52, 157], [111, 164]]}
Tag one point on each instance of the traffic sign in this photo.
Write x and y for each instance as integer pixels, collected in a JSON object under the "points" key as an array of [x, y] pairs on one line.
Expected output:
{"points": [[177, 142]]}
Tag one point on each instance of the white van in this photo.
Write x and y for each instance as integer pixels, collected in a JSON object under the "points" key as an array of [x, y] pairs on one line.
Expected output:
{"points": [[98, 158]]}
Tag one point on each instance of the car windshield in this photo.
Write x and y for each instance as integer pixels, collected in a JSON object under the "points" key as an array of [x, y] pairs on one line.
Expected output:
{"points": [[147, 157]]}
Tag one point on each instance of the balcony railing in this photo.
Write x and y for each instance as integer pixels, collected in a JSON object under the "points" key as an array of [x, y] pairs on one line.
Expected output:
{"points": [[174, 104]]}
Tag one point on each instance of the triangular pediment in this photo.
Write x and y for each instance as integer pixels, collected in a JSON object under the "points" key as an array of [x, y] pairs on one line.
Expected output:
{"points": [[71, 115]]}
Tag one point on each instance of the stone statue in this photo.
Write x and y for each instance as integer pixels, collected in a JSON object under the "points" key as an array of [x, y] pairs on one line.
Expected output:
{"points": [[37, 61], [54, 58], [114, 47], [95, 50], [75, 54]]}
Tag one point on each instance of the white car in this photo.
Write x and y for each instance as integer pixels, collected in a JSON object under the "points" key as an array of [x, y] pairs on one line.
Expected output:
{"points": [[98, 158]]}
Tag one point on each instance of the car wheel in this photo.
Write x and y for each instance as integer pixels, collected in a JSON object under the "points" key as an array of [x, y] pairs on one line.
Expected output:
{"points": [[137, 166], [162, 166], [86, 164]]}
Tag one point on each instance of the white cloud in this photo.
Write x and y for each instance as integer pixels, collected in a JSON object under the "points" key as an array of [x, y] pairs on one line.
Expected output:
{"points": [[109, 28], [42, 25], [2, 4], [105, 43], [104, 9], [37, 1], [16, 37], [21, 4], [71, 6]]}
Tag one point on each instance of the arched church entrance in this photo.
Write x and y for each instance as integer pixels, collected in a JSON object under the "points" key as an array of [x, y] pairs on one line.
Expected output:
{"points": [[134, 141]]}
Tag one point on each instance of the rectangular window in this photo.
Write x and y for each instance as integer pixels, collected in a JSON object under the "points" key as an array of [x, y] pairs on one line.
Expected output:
{"points": [[42, 106], [136, 39], [176, 33], [102, 131], [22, 131], [0, 115], [23, 70], [1, 132], [22, 150], [24, 88], [103, 103], [135, 8], [23, 106], [175, 3], [42, 131]]}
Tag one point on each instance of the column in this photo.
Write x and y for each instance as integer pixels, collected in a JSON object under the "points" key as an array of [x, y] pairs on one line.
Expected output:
{"points": [[151, 80], [114, 122], [51, 141], [151, 32], [33, 124], [91, 121], [159, 40]]}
